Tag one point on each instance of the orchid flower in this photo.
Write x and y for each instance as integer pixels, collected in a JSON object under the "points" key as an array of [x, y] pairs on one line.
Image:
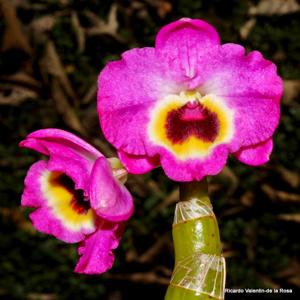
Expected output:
{"points": [[188, 103], [78, 196]]}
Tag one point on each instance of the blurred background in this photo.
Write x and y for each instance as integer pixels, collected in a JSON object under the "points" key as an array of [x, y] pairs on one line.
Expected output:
{"points": [[51, 54]]}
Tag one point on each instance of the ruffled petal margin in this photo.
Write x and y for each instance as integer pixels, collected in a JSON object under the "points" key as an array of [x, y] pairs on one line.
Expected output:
{"points": [[44, 221], [194, 169], [96, 250]]}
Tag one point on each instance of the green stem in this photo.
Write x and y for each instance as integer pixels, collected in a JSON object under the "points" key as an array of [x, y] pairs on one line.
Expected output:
{"points": [[199, 271]]}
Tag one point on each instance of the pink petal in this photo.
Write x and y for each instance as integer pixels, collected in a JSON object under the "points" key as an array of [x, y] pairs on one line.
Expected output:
{"points": [[255, 155], [108, 197], [249, 85], [44, 221], [194, 169], [179, 44], [67, 153], [126, 91], [96, 250], [32, 195], [138, 164], [43, 218], [58, 136]]}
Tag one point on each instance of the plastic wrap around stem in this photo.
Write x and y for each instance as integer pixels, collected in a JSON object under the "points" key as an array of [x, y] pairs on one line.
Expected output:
{"points": [[200, 270]]}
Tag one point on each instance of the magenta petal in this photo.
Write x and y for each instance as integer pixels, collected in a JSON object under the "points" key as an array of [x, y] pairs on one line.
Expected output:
{"points": [[138, 164], [43, 218], [109, 198], [32, 195], [61, 137], [67, 153], [127, 89], [179, 43], [255, 155], [194, 169], [44, 221], [186, 33], [249, 85], [96, 250]]}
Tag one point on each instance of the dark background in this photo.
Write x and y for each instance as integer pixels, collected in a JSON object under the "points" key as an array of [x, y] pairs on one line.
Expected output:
{"points": [[51, 54]]}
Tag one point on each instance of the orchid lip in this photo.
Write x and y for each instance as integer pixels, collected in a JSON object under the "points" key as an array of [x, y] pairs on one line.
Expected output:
{"points": [[197, 121], [191, 125], [79, 203], [67, 203]]}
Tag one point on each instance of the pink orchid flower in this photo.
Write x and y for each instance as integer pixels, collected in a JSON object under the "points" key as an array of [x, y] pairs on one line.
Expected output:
{"points": [[188, 103], [78, 196]]}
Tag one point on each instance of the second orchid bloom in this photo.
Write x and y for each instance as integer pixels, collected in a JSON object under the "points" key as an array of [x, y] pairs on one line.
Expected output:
{"points": [[78, 196]]}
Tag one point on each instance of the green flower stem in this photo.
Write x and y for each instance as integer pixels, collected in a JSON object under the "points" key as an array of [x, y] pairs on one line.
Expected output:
{"points": [[199, 271]]}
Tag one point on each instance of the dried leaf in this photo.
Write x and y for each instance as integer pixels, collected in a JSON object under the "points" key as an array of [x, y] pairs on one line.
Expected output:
{"points": [[91, 94], [163, 270], [15, 95], [290, 177], [290, 217], [167, 201], [164, 8], [267, 281], [232, 211], [13, 34], [64, 2], [246, 28], [291, 90], [53, 66], [60, 87], [22, 79], [279, 195], [80, 34], [104, 147], [64, 108], [43, 24], [274, 7], [231, 178], [101, 27], [248, 199], [40, 296], [153, 251], [291, 274], [229, 253], [154, 187]]}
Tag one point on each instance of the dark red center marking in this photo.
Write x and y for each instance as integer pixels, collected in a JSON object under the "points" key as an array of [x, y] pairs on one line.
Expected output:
{"points": [[192, 119], [78, 203]]}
